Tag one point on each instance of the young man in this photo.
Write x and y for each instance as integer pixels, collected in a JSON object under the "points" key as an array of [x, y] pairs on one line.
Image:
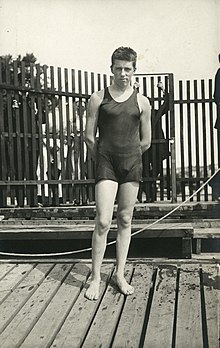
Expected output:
{"points": [[122, 117]]}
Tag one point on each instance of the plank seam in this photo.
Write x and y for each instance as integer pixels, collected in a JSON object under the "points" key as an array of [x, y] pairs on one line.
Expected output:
{"points": [[203, 311], [148, 308]]}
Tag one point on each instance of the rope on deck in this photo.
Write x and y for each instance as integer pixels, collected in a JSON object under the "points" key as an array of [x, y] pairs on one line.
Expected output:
{"points": [[65, 253]]}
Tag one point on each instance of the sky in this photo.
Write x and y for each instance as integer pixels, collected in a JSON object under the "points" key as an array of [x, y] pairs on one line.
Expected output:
{"points": [[176, 36]]}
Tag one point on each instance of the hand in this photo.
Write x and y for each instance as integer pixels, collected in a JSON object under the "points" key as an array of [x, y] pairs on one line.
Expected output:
{"points": [[160, 85]]}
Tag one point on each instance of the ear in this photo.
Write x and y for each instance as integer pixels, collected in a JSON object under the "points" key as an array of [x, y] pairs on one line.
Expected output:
{"points": [[111, 67]]}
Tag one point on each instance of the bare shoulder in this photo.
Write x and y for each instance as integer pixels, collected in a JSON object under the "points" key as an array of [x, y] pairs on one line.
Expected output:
{"points": [[143, 102], [94, 104], [97, 97]]}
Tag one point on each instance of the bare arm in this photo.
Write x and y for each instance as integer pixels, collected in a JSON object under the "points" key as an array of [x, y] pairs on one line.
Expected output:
{"points": [[145, 125], [92, 121]]}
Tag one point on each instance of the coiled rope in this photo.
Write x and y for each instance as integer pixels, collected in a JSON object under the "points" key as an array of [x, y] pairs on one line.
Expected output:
{"points": [[65, 253]]}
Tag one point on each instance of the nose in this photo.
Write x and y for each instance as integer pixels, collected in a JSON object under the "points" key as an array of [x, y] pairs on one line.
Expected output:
{"points": [[123, 72]]}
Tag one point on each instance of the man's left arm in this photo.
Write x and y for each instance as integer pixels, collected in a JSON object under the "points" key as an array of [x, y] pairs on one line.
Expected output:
{"points": [[145, 122]]}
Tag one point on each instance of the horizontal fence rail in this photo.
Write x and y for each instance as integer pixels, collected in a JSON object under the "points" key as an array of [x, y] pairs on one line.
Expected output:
{"points": [[44, 159]]}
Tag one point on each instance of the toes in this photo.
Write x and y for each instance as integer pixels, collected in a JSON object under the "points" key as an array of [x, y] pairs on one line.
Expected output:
{"points": [[92, 293], [126, 289]]}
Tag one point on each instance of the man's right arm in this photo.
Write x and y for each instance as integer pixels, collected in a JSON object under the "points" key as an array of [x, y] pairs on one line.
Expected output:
{"points": [[92, 121], [217, 88]]}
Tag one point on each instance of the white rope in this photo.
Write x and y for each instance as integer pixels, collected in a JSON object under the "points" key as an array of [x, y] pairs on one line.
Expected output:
{"points": [[65, 253]]}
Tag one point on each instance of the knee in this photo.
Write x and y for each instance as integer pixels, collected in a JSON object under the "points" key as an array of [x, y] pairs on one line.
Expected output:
{"points": [[124, 219], [103, 224]]}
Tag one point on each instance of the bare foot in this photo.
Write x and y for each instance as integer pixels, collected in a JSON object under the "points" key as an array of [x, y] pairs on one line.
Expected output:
{"points": [[124, 287], [92, 293]]}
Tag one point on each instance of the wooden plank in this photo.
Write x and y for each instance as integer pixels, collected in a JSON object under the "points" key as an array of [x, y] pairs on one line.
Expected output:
{"points": [[160, 326], [211, 286], [189, 317], [85, 231], [13, 278], [16, 332], [187, 247], [58, 309], [206, 233], [19, 296], [106, 319], [5, 268], [77, 323], [131, 323]]}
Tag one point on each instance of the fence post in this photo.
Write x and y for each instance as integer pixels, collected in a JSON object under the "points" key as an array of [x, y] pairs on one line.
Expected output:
{"points": [[172, 137]]}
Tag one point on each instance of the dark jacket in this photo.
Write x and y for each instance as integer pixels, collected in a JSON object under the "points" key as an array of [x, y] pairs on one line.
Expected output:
{"points": [[217, 97]]}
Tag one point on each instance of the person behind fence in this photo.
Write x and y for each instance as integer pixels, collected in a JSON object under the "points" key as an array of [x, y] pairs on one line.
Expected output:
{"points": [[215, 182], [158, 152], [25, 152], [123, 118]]}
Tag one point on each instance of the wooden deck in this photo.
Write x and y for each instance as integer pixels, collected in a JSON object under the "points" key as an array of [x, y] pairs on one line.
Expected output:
{"points": [[175, 304]]}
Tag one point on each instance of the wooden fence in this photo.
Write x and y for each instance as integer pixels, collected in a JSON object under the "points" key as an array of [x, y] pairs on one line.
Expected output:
{"points": [[44, 159], [195, 138]]}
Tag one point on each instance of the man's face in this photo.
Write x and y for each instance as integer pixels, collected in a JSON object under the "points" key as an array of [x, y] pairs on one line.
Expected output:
{"points": [[123, 72]]}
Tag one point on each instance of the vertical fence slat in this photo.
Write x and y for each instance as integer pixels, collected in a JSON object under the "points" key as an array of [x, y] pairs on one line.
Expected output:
{"points": [[81, 139], [3, 144], [212, 147], [48, 140], [172, 135], [168, 88], [189, 134], [196, 137], [40, 122], [204, 136], [54, 173], [88, 161], [69, 143], [32, 147], [17, 115], [154, 155], [61, 144], [159, 126], [9, 116], [182, 152]]}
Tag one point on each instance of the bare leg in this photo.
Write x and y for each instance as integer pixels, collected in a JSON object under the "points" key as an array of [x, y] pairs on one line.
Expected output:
{"points": [[126, 200], [105, 193]]}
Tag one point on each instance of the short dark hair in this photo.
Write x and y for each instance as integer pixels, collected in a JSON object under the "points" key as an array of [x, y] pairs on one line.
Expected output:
{"points": [[125, 53]]}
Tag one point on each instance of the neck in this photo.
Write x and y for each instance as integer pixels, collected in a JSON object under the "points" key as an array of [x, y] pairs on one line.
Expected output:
{"points": [[120, 88]]}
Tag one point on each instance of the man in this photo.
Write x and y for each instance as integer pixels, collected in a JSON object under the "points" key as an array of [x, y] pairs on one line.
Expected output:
{"points": [[122, 117], [215, 182]]}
